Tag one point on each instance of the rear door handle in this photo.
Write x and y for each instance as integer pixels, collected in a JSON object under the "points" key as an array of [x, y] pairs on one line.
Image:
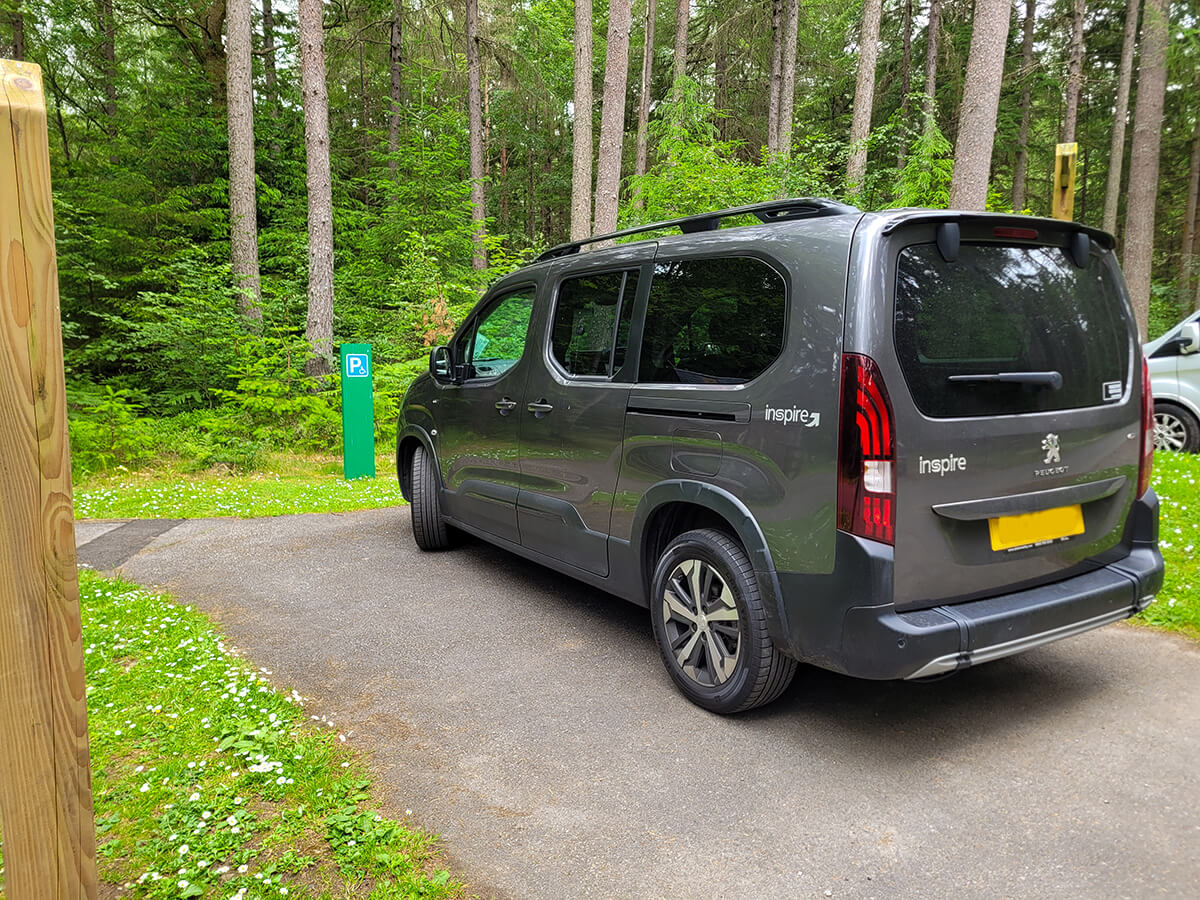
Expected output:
{"points": [[505, 405], [539, 408]]}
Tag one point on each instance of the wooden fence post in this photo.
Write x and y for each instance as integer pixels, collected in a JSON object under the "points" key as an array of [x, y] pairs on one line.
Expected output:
{"points": [[45, 781], [1062, 202]]}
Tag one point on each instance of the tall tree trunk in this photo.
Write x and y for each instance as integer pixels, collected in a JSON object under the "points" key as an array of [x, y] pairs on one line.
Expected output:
{"points": [[981, 99], [787, 88], [1074, 72], [581, 158], [18, 32], [243, 209], [396, 87], [209, 50], [1143, 159], [272, 74], [934, 35], [1026, 74], [612, 116], [721, 83], [639, 168], [905, 78], [864, 93], [774, 86], [683, 10], [1186, 245], [319, 325], [475, 128], [1116, 153], [107, 28], [505, 218]]}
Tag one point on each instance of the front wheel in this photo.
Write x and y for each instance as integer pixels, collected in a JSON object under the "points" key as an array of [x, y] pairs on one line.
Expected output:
{"points": [[711, 627], [1175, 429], [429, 530]]}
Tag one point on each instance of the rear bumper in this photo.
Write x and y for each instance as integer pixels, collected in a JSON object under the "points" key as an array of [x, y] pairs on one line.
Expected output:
{"points": [[878, 642]]}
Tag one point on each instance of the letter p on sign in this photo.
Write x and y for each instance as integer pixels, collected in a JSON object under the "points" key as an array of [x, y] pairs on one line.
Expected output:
{"points": [[357, 365]]}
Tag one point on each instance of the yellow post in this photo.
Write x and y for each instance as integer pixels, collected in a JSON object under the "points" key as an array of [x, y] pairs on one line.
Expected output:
{"points": [[45, 778], [1063, 204]]}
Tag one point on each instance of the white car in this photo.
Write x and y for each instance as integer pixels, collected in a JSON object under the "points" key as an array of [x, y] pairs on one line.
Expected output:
{"points": [[1174, 360]]}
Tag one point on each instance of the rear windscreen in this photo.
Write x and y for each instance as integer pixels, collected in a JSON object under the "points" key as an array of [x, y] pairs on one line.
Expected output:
{"points": [[1000, 310]]}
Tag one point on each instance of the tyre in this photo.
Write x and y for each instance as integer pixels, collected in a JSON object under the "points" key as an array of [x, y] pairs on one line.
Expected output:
{"points": [[1175, 429], [710, 625], [429, 531]]}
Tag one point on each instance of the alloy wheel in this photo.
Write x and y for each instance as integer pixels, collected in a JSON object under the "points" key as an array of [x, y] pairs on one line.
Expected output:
{"points": [[1170, 433], [701, 621]]}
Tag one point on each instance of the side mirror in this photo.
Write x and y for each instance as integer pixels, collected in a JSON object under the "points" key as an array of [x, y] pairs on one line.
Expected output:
{"points": [[1189, 338], [440, 366]]}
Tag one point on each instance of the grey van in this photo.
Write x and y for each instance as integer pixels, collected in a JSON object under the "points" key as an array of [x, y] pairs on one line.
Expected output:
{"points": [[1174, 360], [890, 444]]}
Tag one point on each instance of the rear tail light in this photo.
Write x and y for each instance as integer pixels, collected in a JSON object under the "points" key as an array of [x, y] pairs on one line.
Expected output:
{"points": [[866, 453], [1147, 462]]}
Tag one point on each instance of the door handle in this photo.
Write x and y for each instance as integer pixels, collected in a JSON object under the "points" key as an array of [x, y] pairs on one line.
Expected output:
{"points": [[505, 405], [539, 408]]}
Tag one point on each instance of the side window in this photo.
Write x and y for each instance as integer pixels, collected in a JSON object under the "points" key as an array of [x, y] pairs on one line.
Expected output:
{"points": [[495, 342], [590, 332], [712, 321]]}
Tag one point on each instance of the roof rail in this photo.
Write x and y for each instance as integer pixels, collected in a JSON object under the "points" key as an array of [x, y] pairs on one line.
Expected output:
{"points": [[771, 211]]}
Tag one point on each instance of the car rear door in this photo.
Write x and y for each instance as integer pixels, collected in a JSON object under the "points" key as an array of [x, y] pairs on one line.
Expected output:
{"points": [[573, 411], [1009, 351]]}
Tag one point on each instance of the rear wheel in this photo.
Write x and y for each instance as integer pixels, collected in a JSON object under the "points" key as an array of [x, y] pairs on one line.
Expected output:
{"points": [[710, 625], [1175, 429], [429, 531]]}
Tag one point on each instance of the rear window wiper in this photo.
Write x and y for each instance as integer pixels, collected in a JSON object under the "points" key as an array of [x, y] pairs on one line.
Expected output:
{"points": [[1052, 380]]}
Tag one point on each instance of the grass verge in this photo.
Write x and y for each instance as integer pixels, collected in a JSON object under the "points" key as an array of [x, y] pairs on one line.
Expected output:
{"points": [[289, 485], [1178, 604], [209, 782]]}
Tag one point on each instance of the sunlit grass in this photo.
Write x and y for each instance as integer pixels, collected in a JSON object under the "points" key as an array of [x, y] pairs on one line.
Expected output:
{"points": [[289, 485], [1178, 604], [208, 781]]}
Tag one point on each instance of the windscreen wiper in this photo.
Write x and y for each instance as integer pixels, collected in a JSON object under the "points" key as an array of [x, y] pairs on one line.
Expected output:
{"points": [[1052, 380]]}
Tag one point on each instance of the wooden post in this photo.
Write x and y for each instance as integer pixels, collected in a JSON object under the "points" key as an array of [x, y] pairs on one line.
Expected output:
{"points": [[45, 779], [1063, 202]]}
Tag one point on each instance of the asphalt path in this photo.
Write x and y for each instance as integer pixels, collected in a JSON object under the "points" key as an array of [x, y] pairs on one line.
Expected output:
{"points": [[528, 720]]}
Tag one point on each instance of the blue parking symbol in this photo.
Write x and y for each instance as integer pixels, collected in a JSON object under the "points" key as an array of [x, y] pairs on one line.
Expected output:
{"points": [[357, 365]]}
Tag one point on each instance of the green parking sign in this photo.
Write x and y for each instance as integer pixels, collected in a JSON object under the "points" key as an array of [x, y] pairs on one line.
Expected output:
{"points": [[358, 412]]}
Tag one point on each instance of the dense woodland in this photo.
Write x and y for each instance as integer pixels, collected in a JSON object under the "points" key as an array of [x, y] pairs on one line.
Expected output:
{"points": [[241, 185]]}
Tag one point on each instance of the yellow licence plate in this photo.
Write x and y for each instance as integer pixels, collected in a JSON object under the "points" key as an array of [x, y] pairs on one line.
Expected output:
{"points": [[1034, 528]]}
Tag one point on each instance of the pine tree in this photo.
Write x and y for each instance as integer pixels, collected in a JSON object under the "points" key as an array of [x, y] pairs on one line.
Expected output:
{"points": [[1116, 156], [612, 116], [981, 99], [319, 326], [864, 93], [581, 171], [243, 208], [1143, 160]]}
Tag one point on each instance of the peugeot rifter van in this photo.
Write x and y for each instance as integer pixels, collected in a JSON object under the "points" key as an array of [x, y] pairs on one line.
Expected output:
{"points": [[890, 444]]}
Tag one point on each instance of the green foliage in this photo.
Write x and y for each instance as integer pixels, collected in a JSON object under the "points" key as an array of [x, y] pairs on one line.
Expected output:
{"points": [[274, 403], [107, 432], [1178, 605], [1167, 307], [695, 171], [925, 178]]}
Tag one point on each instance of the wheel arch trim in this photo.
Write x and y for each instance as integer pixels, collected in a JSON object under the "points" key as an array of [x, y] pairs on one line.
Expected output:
{"points": [[730, 508], [420, 435]]}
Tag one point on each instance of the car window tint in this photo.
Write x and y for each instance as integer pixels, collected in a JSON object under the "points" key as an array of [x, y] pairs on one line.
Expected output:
{"points": [[712, 321], [591, 323], [497, 340], [999, 309]]}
